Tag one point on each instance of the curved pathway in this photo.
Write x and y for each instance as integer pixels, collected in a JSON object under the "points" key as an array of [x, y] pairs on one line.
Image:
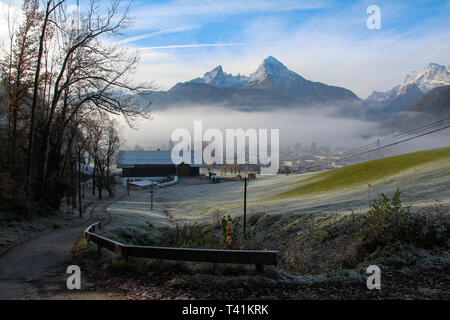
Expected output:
{"points": [[36, 269]]}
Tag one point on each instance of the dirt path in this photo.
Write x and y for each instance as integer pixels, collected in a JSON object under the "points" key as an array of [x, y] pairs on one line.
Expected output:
{"points": [[36, 269]]}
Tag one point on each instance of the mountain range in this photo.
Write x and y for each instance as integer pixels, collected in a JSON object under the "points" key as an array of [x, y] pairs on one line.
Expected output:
{"points": [[416, 85], [273, 86], [433, 106]]}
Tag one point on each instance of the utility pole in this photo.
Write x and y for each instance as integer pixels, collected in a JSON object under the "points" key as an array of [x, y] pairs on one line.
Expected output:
{"points": [[245, 204], [151, 195]]}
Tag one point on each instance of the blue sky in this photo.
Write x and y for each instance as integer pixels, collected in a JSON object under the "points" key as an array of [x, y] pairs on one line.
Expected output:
{"points": [[322, 40], [226, 21], [325, 41]]}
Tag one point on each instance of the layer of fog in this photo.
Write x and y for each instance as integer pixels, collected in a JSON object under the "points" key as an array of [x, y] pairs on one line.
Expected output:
{"points": [[305, 126], [296, 126]]}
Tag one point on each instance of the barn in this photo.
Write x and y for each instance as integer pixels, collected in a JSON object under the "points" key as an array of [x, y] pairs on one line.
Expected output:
{"points": [[153, 165]]}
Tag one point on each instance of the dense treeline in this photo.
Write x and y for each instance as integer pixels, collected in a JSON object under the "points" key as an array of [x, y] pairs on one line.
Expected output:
{"points": [[62, 82]]}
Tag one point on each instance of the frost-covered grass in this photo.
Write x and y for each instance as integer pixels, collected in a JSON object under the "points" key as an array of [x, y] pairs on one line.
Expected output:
{"points": [[131, 219], [180, 205], [422, 186], [282, 224], [14, 230]]}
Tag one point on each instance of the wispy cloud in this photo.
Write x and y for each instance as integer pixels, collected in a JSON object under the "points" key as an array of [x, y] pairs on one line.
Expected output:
{"points": [[195, 7], [211, 11], [193, 45], [157, 33]]}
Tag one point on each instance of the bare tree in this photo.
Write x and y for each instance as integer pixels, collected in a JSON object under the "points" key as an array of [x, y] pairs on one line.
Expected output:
{"points": [[60, 74], [50, 7], [16, 68], [96, 73], [103, 146], [112, 149]]}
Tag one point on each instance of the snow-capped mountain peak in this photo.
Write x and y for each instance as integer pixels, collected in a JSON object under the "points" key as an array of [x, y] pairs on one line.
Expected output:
{"points": [[270, 67], [434, 75], [216, 77], [271, 86], [416, 84]]}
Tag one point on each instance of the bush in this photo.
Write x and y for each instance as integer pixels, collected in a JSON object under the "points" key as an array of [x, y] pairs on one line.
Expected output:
{"points": [[192, 236], [225, 235], [326, 245], [390, 223]]}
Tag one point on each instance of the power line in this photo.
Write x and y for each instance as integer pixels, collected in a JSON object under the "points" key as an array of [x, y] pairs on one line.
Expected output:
{"points": [[392, 144], [401, 134], [388, 145]]}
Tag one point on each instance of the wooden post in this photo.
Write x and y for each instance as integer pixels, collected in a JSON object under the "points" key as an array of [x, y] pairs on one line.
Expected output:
{"points": [[245, 205]]}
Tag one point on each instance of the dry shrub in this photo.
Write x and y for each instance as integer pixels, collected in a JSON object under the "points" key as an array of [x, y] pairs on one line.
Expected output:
{"points": [[323, 247]]}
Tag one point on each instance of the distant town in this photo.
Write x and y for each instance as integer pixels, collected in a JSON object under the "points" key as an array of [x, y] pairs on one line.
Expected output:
{"points": [[298, 158]]}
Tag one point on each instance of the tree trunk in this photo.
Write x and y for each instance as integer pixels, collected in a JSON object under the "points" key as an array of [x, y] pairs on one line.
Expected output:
{"points": [[35, 94], [108, 182], [93, 179], [100, 183], [72, 181], [79, 182]]}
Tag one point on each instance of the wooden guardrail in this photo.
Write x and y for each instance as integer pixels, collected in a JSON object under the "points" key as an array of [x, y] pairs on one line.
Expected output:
{"points": [[256, 257]]}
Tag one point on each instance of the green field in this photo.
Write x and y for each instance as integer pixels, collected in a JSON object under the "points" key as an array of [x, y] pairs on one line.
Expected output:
{"points": [[363, 173]]}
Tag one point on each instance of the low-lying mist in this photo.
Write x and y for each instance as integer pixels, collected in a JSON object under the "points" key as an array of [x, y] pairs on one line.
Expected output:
{"points": [[303, 126], [319, 125]]}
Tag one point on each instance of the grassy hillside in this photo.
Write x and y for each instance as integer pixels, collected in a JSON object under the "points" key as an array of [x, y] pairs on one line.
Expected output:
{"points": [[363, 173]]}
